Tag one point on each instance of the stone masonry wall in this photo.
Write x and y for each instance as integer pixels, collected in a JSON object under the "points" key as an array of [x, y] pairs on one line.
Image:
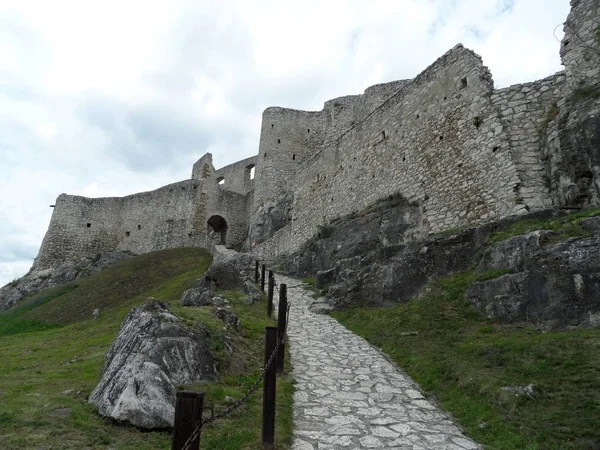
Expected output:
{"points": [[236, 176], [439, 142], [288, 137], [526, 111], [140, 223]]}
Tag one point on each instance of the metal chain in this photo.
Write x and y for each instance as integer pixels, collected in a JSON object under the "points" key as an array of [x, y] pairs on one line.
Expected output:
{"points": [[237, 404]]}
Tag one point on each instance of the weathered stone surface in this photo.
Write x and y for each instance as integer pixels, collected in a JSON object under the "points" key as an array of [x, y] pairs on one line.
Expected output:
{"points": [[270, 218], [558, 287], [591, 224], [37, 281], [325, 278], [513, 253], [197, 297], [221, 275], [228, 317], [152, 354]]}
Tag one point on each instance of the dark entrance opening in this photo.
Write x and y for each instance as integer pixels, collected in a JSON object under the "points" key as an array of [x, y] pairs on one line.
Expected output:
{"points": [[217, 229]]}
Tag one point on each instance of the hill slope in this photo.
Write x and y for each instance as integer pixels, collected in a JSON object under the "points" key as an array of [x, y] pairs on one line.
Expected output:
{"points": [[53, 352]]}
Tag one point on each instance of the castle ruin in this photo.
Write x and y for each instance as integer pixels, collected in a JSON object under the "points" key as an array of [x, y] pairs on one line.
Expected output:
{"points": [[447, 142]]}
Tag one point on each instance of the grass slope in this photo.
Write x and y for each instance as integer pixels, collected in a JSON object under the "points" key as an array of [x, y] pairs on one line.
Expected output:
{"points": [[52, 356]]}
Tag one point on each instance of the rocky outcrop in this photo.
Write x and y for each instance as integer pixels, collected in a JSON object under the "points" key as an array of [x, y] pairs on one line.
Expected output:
{"points": [[152, 354], [366, 258], [556, 285], [38, 281], [270, 218], [223, 275]]}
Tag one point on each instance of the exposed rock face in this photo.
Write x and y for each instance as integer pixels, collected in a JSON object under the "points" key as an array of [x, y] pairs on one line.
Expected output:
{"points": [[556, 285], [152, 354], [223, 275], [38, 281], [365, 259], [271, 217]]}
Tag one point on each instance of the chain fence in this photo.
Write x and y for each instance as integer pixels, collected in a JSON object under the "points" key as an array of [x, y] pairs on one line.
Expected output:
{"points": [[214, 417]]}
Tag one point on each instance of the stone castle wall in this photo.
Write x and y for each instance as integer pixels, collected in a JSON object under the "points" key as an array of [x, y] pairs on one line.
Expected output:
{"points": [[446, 141]]}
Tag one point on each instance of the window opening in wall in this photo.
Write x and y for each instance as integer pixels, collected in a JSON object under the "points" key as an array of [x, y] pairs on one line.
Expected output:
{"points": [[272, 125], [495, 149], [404, 158], [463, 83], [221, 180], [265, 156], [127, 233], [441, 138], [460, 165], [195, 186], [250, 169], [308, 130], [383, 134], [477, 121], [418, 116], [139, 227], [294, 157], [279, 141], [89, 225], [445, 98]]}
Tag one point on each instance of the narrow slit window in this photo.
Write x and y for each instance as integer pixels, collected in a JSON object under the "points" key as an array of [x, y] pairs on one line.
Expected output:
{"points": [[294, 157], [89, 225]]}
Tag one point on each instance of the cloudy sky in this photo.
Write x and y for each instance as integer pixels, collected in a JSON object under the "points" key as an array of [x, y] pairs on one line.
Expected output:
{"points": [[116, 97]]}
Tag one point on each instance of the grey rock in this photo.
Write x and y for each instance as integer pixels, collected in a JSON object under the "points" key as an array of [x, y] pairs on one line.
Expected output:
{"points": [[591, 224], [254, 293], [513, 253], [559, 286], [521, 390], [96, 313], [228, 317], [152, 354], [196, 297], [270, 218], [325, 278]]}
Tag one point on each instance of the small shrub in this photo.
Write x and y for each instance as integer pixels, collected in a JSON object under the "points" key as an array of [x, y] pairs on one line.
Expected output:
{"points": [[584, 93]]}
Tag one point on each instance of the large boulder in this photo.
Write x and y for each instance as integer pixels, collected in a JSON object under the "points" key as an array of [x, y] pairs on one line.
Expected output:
{"points": [[270, 218], [152, 354], [38, 281]]}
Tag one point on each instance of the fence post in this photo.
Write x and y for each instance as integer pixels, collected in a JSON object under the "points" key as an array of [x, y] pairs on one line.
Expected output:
{"points": [[281, 323], [256, 272], [270, 294], [262, 278], [188, 413], [269, 387]]}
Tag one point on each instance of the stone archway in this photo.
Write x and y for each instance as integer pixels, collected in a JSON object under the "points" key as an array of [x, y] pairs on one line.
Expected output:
{"points": [[217, 229]]}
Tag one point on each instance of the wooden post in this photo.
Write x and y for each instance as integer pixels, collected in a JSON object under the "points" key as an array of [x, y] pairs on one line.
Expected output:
{"points": [[256, 272], [188, 414], [269, 388], [270, 294], [281, 323], [262, 278]]}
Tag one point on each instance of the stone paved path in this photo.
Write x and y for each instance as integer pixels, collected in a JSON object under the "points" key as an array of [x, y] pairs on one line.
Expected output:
{"points": [[348, 396]]}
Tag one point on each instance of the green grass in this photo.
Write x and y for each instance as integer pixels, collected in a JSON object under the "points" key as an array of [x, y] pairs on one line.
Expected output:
{"points": [[462, 360], [564, 227], [51, 345]]}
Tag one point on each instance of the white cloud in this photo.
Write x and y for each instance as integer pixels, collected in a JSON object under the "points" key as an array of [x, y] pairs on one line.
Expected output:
{"points": [[115, 97]]}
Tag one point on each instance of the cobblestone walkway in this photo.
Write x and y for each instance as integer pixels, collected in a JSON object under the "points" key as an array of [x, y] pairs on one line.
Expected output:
{"points": [[348, 396]]}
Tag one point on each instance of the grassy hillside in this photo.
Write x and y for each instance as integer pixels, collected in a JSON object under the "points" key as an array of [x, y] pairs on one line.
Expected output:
{"points": [[53, 351], [464, 360]]}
